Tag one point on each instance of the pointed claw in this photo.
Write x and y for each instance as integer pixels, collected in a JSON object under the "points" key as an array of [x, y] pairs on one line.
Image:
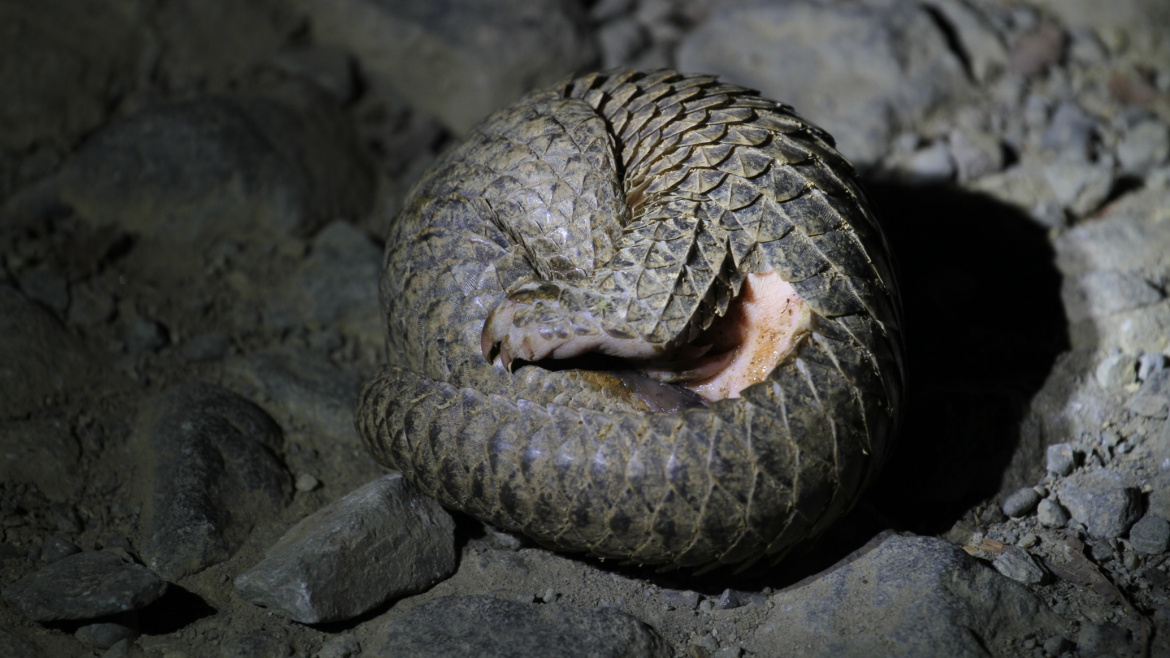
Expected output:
{"points": [[486, 343], [505, 357]]}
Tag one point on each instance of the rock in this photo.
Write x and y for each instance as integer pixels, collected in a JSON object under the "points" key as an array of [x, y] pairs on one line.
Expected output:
{"points": [[1020, 502], [43, 453], [494, 628], [1019, 565], [931, 164], [57, 548], [243, 165], [1081, 188], [1057, 645], [211, 346], [1150, 364], [104, 635], [620, 41], [1102, 293], [337, 286], [331, 69], [1100, 502], [1060, 458], [1153, 398], [345, 645], [1071, 133], [379, 542], [1150, 535], [304, 386], [1033, 53], [41, 359], [213, 43], [212, 476], [1144, 146], [981, 44], [975, 154], [65, 65], [873, 82], [84, 586], [1096, 639], [731, 598], [461, 59], [1050, 514], [305, 482], [896, 596], [141, 335], [1117, 371]]}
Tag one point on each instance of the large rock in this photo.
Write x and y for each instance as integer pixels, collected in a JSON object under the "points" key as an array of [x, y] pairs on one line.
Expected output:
{"points": [[863, 73], [85, 586], [458, 59], [901, 596], [378, 542], [212, 475], [493, 628], [243, 165]]}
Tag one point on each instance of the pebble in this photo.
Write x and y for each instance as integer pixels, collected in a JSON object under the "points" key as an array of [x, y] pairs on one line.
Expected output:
{"points": [[104, 635], [975, 154], [1144, 146], [1150, 364], [1070, 133], [381, 541], [141, 335], [57, 548], [1050, 514], [1080, 187], [1019, 565], [1100, 502], [680, 599], [1150, 535], [1029, 540], [211, 346], [454, 626], [1060, 458], [731, 598], [305, 482], [1020, 502], [1153, 398], [84, 586], [1116, 371], [215, 475]]}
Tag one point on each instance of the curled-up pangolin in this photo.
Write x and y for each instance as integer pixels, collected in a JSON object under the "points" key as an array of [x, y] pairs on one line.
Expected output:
{"points": [[642, 315]]}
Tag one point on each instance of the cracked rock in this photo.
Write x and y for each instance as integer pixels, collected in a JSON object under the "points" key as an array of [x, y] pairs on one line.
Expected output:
{"points": [[85, 586]]}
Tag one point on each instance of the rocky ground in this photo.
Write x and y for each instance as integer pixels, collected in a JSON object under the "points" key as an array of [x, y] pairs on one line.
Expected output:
{"points": [[193, 197]]}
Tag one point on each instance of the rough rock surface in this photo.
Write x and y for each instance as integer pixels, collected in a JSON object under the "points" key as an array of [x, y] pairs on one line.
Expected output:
{"points": [[489, 627], [214, 476], [378, 542], [85, 586]]}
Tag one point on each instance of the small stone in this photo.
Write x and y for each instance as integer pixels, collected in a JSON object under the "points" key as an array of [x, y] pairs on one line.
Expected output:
{"points": [[1153, 398], [1100, 502], [1019, 565], [1149, 364], [1150, 535], [1060, 458], [1071, 132], [731, 598], [1029, 540], [141, 335], [1050, 514], [341, 646], [680, 599], [1020, 502], [975, 154], [380, 541], [57, 548], [1079, 187], [104, 635], [931, 164], [1144, 146], [306, 482], [1116, 371], [84, 586]]}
